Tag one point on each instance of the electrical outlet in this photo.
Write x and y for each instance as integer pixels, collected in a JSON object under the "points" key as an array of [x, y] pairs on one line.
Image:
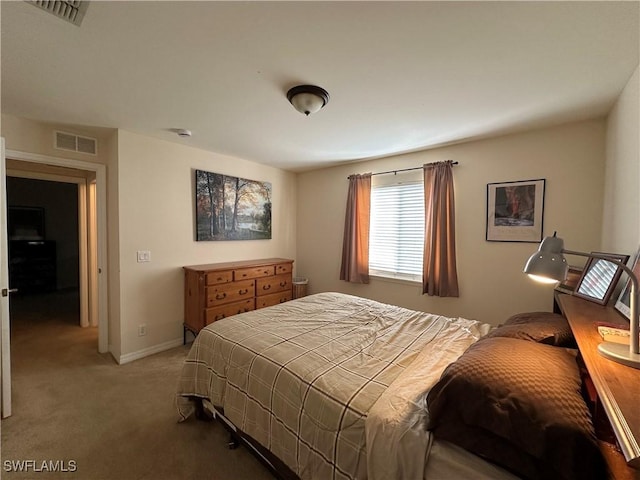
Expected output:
{"points": [[142, 330], [144, 256]]}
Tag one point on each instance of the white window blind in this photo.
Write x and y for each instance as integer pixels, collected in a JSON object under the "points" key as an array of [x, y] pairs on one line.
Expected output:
{"points": [[396, 236]]}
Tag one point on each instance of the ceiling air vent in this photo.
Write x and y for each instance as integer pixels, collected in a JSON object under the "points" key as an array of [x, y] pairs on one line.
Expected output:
{"points": [[76, 143], [70, 10]]}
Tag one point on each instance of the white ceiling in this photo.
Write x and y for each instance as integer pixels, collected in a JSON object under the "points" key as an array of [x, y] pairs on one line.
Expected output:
{"points": [[402, 76]]}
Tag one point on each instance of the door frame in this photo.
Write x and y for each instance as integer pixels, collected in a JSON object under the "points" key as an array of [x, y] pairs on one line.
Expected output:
{"points": [[101, 224], [5, 324]]}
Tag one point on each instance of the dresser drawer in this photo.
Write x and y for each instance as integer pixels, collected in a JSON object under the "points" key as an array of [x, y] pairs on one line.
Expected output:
{"points": [[229, 292], [277, 283], [218, 290], [214, 278], [273, 299], [253, 272], [218, 313], [284, 268]]}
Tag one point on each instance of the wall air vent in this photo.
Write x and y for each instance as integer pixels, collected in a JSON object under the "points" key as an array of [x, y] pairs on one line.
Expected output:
{"points": [[70, 10], [76, 143]]}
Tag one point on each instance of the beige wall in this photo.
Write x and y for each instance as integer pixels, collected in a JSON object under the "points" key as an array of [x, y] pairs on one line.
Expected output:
{"points": [[156, 213], [492, 285], [150, 206], [621, 220], [37, 137]]}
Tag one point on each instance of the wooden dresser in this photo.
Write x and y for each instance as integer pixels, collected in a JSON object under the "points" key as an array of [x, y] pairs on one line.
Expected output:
{"points": [[219, 290], [616, 395]]}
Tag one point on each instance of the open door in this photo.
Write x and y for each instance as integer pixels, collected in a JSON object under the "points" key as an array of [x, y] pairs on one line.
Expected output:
{"points": [[5, 331]]}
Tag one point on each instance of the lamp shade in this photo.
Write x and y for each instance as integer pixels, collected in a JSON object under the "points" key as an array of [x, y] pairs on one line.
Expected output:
{"points": [[548, 263], [308, 98]]}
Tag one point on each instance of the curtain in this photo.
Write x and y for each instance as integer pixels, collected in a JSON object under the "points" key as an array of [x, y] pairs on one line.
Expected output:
{"points": [[355, 244], [439, 273]]}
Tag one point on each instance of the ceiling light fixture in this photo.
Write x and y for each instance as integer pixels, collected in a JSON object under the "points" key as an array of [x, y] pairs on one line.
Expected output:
{"points": [[183, 133], [308, 98]]}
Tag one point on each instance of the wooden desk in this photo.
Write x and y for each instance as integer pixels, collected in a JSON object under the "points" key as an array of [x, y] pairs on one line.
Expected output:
{"points": [[617, 386]]}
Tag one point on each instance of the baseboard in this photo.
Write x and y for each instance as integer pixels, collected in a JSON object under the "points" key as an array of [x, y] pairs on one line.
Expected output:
{"points": [[145, 352]]}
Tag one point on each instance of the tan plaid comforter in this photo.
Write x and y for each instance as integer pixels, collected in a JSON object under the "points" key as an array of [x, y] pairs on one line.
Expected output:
{"points": [[302, 377]]}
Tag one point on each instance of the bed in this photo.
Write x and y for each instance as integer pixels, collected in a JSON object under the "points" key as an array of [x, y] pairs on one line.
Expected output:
{"points": [[336, 387]]}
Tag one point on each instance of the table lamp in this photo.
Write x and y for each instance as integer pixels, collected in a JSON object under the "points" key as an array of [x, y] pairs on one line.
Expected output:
{"points": [[549, 265]]}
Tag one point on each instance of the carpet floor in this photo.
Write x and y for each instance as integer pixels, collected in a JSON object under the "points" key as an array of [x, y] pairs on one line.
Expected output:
{"points": [[77, 410]]}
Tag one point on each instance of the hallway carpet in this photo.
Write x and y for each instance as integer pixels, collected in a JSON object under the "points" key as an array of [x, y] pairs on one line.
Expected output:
{"points": [[76, 407]]}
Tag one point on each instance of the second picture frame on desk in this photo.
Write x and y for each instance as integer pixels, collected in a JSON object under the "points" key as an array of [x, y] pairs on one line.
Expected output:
{"points": [[600, 277], [570, 283], [622, 303]]}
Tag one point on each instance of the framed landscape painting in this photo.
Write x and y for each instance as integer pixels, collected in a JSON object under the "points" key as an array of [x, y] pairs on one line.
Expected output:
{"points": [[515, 211], [231, 208]]}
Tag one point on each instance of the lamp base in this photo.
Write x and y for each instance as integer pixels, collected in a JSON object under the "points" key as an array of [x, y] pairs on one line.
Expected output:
{"points": [[619, 353]]}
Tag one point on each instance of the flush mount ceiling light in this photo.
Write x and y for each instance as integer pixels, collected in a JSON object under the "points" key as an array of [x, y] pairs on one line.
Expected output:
{"points": [[308, 98]]}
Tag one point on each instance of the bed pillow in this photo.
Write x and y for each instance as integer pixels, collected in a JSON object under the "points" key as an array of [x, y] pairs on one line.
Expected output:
{"points": [[542, 327], [518, 404]]}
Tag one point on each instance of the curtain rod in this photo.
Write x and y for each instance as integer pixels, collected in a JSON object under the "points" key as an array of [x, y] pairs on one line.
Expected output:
{"points": [[403, 170]]}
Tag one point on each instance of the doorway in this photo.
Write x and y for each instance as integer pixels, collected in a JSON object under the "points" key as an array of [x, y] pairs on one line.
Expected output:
{"points": [[46, 225], [90, 181], [97, 278]]}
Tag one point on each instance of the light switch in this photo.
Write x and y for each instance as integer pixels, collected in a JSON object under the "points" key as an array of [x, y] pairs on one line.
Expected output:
{"points": [[144, 256]]}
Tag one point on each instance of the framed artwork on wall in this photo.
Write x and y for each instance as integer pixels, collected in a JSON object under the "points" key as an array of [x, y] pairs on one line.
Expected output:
{"points": [[623, 304], [599, 278], [515, 211], [231, 208]]}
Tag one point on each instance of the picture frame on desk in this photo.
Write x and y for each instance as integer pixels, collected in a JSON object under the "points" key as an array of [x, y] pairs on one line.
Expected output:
{"points": [[570, 283], [622, 303], [600, 277]]}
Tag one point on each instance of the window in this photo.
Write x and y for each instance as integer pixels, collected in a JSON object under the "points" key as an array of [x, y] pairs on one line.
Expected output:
{"points": [[396, 236]]}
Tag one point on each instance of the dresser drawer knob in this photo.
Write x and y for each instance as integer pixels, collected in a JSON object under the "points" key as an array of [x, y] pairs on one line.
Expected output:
{"points": [[283, 284], [220, 317], [220, 296], [266, 287], [243, 292]]}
